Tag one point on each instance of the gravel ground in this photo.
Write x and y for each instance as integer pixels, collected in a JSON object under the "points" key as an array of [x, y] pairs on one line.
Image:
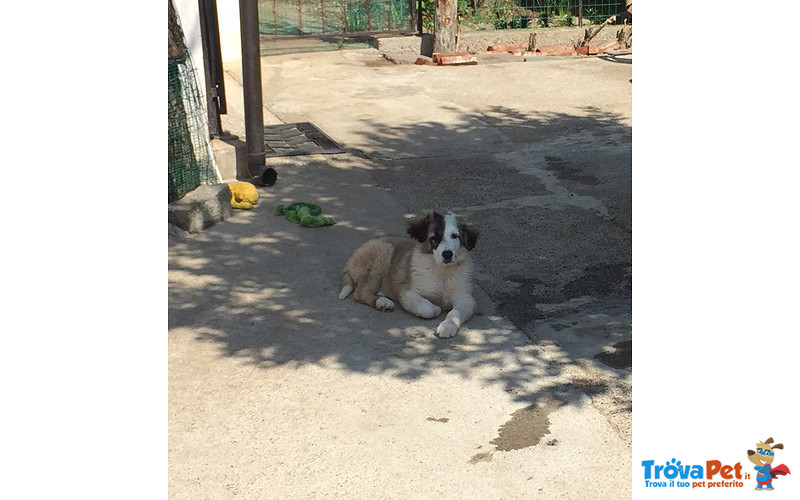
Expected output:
{"points": [[406, 49]]}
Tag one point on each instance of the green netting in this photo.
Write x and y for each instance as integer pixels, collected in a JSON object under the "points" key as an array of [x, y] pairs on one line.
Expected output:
{"points": [[527, 14], [190, 161], [333, 17]]}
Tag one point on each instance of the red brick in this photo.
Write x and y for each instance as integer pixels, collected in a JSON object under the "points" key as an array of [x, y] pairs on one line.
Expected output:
{"points": [[556, 50], [589, 50], [425, 61], [454, 58], [508, 47]]}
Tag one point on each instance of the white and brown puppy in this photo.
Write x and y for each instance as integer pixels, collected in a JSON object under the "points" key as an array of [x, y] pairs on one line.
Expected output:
{"points": [[430, 271]]}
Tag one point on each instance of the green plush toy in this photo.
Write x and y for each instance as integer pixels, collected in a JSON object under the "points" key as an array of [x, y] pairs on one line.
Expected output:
{"points": [[305, 214]]}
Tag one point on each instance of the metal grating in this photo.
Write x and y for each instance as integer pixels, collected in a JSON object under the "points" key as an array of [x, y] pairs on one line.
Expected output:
{"points": [[293, 139]]}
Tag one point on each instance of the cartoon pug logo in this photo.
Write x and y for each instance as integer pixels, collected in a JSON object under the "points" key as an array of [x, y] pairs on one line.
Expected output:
{"points": [[763, 458]]}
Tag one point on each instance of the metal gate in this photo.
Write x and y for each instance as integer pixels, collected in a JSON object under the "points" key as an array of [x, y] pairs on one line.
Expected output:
{"points": [[322, 18]]}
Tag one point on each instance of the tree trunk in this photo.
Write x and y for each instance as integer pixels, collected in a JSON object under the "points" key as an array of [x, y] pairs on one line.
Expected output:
{"points": [[445, 26]]}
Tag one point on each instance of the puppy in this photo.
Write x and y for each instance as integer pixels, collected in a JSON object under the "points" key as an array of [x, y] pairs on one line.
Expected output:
{"points": [[430, 271]]}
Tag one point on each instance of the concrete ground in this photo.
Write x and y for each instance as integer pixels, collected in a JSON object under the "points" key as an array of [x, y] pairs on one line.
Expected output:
{"points": [[279, 390]]}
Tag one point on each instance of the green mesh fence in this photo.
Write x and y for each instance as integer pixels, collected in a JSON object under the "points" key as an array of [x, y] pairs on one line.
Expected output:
{"points": [[516, 14], [190, 163], [526, 14], [282, 18]]}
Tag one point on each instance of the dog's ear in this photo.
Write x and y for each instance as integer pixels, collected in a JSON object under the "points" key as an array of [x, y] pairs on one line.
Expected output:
{"points": [[417, 226], [469, 235], [778, 446]]}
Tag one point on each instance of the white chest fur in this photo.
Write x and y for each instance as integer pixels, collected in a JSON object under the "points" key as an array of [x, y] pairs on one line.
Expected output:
{"points": [[440, 282]]}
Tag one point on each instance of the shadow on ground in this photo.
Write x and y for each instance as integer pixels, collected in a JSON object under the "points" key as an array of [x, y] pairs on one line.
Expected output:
{"points": [[553, 195]]}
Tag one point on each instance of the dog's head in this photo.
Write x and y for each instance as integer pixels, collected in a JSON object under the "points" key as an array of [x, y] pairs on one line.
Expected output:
{"points": [[765, 452], [445, 236]]}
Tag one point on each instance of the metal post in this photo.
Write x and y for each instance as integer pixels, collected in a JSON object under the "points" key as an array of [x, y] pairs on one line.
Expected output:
{"points": [[212, 61], [251, 83], [419, 15], [580, 13]]}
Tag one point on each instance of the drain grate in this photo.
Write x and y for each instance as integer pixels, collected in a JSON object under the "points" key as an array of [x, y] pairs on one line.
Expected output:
{"points": [[291, 139]]}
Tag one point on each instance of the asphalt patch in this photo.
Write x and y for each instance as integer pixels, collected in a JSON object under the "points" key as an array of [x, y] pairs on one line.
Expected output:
{"points": [[620, 355], [599, 281], [566, 170]]}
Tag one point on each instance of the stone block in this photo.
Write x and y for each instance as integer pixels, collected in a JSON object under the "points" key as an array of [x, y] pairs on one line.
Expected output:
{"points": [[201, 208], [454, 58]]}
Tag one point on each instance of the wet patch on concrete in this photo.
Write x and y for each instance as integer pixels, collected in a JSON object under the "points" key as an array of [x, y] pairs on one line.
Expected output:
{"points": [[566, 170], [526, 427], [599, 281], [442, 420], [620, 355], [520, 305], [525, 302], [481, 457]]}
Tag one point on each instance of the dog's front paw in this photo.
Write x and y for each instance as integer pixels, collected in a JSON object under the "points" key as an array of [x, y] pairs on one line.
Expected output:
{"points": [[384, 304], [430, 310], [446, 329]]}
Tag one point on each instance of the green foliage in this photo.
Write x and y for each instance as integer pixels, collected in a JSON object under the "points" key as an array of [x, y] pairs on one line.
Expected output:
{"points": [[400, 12], [516, 14], [428, 8], [521, 14]]}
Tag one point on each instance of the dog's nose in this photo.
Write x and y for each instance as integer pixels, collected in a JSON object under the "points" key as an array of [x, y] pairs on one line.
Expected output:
{"points": [[447, 255]]}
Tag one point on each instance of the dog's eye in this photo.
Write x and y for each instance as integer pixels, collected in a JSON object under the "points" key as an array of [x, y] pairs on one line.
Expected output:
{"points": [[454, 236]]}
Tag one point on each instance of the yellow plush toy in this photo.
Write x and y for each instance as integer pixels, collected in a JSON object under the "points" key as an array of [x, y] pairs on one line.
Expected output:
{"points": [[243, 195]]}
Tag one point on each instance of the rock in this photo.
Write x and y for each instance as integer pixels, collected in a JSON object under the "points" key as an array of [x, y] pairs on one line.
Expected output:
{"points": [[201, 208]]}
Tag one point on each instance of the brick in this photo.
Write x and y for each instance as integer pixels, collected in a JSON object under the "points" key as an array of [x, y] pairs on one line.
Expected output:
{"points": [[589, 50], [508, 47], [454, 58], [425, 61], [556, 50]]}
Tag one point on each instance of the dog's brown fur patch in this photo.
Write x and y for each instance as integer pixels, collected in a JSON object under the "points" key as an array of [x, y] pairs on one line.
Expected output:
{"points": [[379, 266]]}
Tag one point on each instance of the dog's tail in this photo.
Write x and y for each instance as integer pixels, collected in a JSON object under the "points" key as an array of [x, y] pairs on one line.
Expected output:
{"points": [[347, 286]]}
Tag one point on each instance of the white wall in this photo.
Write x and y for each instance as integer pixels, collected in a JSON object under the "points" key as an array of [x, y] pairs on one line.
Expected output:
{"points": [[189, 17], [230, 36]]}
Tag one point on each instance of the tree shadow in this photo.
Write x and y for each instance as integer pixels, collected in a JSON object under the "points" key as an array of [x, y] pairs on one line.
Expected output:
{"points": [[264, 291]]}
